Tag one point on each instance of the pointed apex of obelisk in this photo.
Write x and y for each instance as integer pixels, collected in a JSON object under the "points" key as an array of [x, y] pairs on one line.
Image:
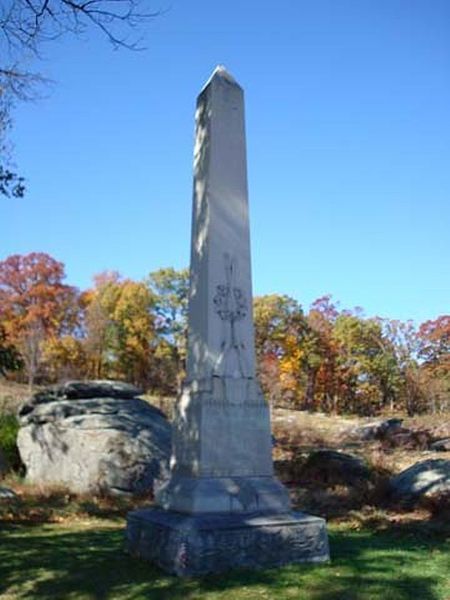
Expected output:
{"points": [[220, 72]]}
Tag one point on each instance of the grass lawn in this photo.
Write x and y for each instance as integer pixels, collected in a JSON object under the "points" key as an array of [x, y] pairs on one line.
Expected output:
{"points": [[84, 559]]}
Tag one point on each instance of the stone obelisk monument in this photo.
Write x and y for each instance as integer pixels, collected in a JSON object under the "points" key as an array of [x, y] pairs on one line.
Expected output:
{"points": [[222, 507]]}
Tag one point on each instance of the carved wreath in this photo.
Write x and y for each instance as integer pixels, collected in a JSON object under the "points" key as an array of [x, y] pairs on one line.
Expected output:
{"points": [[230, 303]]}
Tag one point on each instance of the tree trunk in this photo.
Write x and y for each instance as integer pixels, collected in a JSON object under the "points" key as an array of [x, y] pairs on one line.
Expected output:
{"points": [[310, 389]]}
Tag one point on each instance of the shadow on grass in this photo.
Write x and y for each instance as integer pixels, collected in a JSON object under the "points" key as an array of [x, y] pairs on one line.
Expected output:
{"points": [[51, 561]]}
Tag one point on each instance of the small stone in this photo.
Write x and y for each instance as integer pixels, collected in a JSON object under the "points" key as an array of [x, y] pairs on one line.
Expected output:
{"points": [[378, 429], [442, 445], [7, 494]]}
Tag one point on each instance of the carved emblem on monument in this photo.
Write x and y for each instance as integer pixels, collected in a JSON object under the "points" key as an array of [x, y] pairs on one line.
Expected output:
{"points": [[230, 302], [231, 305]]}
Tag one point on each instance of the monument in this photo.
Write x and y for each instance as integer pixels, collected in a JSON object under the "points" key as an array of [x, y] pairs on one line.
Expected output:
{"points": [[222, 507]]}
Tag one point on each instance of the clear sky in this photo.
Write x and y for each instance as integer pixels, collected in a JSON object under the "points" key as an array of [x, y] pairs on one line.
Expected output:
{"points": [[348, 133]]}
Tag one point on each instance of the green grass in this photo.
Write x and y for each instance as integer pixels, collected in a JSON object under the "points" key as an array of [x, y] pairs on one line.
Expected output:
{"points": [[86, 560]]}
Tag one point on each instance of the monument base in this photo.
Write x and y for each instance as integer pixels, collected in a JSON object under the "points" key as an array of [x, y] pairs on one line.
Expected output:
{"points": [[199, 495], [191, 545]]}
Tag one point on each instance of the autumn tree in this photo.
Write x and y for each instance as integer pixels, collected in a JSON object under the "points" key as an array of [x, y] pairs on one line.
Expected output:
{"points": [[405, 342], [10, 359], [134, 340], [279, 325], [64, 357], [120, 329], [434, 351], [35, 305], [320, 355], [99, 303]]}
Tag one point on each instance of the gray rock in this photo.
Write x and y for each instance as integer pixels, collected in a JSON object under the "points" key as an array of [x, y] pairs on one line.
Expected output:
{"points": [[426, 478], [99, 389], [74, 390], [441, 445], [378, 429], [7, 494], [120, 445], [333, 467]]}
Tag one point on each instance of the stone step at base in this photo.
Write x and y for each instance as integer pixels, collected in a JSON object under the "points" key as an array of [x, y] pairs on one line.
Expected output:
{"points": [[193, 545]]}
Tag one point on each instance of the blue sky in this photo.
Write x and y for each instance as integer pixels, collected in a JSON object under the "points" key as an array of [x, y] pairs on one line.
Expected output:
{"points": [[348, 133]]}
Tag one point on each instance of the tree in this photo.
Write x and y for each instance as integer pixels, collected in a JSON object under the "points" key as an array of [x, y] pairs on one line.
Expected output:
{"points": [[11, 185], [26, 26], [99, 303], [170, 289], [278, 323], [64, 357], [35, 305], [320, 355], [120, 329], [134, 339], [10, 359], [367, 370], [435, 352], [405, 343]]}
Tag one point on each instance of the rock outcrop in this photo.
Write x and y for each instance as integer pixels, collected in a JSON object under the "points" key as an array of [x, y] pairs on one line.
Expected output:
{"points": [[424, 479], [333, 467], [93, 436], [377, 430]]}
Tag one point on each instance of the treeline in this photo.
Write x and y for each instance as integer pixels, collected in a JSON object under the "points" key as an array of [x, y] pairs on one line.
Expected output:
{"points": [[324, 359]]}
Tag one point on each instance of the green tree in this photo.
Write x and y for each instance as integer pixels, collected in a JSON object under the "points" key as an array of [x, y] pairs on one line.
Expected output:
{"points": [[170, 290], [367, 368]]}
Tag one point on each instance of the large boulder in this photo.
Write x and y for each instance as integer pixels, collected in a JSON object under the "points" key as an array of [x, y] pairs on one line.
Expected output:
{"points": [[424, 479], [94, 436]]}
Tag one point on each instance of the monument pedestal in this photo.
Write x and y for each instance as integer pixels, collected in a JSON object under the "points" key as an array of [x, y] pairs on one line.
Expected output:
{"points": [[192, 545], [196, 495]]}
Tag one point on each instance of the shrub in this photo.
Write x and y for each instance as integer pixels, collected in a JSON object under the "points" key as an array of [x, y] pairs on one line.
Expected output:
{"points": [[9, 428]]}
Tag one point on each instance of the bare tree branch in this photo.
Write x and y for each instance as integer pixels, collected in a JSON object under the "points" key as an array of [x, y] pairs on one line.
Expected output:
{"points": [[25, 27], [26, 24]]}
